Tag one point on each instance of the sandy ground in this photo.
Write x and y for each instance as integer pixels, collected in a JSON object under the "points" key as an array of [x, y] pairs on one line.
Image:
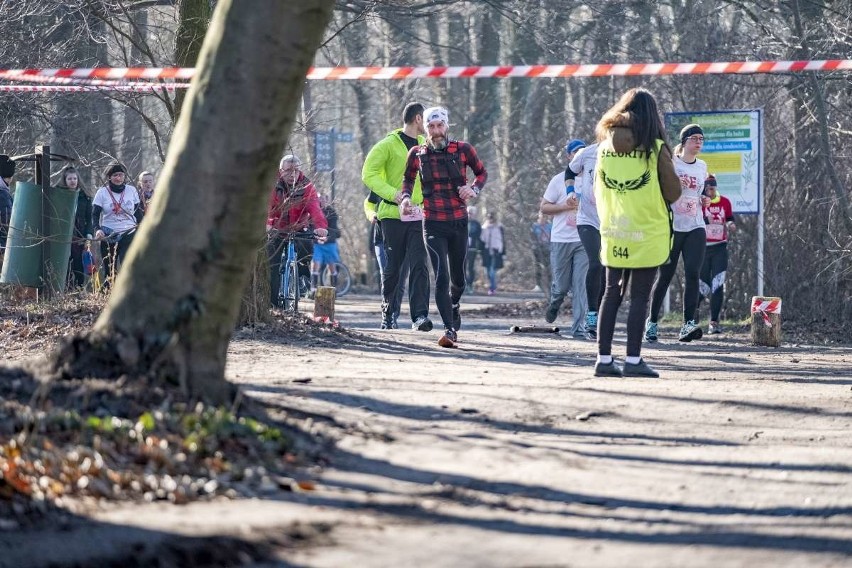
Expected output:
{"points": [[507, 452]]}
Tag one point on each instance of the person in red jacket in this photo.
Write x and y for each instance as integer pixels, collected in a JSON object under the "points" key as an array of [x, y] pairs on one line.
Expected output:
{"points": [[293, 207], [719, 217]]}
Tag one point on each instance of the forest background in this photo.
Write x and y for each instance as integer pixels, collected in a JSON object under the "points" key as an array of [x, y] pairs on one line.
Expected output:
{"points": [[519, 126]]}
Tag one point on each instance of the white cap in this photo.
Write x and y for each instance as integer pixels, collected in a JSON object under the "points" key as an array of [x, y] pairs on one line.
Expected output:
{"points": [[436, 113]]}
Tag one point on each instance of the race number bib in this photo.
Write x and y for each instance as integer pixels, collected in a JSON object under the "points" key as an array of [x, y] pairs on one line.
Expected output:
{"points": [[715, 232], [686, 206], [415, 213]]}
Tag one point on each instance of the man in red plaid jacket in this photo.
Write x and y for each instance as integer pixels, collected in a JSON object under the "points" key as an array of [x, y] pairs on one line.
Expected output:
{"points": [[442, 166]]}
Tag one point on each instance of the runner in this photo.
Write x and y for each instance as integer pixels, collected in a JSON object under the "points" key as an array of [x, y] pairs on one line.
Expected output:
{"points": [[689, 236], [441, 165], [382, 173], [588, 227], [719, 216], [568, 260]]}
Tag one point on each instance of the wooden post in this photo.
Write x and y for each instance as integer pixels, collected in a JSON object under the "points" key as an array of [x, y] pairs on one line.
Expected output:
{"points": [[324, 303], [766, 321]]}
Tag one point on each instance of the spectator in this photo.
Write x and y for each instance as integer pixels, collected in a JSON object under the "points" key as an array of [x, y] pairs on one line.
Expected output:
{"points": [[326, 254], [82, 225], [7, 171], [493, 248], [474, 246], [540, 236], [146, 189], [116, 212]]}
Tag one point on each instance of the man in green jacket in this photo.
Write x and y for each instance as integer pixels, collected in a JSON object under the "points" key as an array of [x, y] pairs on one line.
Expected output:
{"points": [[382, 173]]}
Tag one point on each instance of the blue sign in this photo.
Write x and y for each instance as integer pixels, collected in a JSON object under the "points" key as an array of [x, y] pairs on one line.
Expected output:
{"points": [[324, 150]]}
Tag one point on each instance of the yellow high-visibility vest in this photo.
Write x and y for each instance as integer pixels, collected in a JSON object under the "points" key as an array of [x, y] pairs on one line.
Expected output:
{"points": [[635, 220]]}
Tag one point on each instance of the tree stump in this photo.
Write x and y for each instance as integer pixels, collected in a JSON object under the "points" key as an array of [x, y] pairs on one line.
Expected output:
{"points": [[324, 303], [766, 321]]}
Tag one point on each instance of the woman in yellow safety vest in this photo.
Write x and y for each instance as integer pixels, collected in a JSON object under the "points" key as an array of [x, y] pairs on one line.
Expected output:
{"points": [[635, 183]]}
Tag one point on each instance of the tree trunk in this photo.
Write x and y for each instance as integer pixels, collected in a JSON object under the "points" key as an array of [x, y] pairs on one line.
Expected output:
{"points": [[178, 296], [193, 19]]}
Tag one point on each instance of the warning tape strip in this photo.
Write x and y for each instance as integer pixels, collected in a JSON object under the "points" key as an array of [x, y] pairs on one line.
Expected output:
{"points": [[139, 88], [766, 307], [478, 72]]}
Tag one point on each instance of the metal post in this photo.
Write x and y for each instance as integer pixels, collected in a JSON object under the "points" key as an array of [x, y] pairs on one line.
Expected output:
{"points": [[334, 160], [42, 160]]}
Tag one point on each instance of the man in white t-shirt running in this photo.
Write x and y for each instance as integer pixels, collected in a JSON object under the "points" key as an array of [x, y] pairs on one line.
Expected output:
{"points": [[568, 260]]}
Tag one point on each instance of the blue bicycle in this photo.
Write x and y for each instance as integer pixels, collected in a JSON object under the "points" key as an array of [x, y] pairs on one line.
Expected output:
{"points": [[292, 288]]}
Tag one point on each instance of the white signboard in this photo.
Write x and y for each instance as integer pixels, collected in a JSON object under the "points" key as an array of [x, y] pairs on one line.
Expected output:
{"points": [[733, 150]]}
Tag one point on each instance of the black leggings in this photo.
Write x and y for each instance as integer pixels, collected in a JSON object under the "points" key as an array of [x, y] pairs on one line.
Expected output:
{"points": [[446, 242], [640, 281], [595, 277], [713, 277], [691, 245]]}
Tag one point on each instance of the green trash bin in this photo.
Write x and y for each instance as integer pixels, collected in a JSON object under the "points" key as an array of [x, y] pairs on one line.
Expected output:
{"points": [[38, 257]]}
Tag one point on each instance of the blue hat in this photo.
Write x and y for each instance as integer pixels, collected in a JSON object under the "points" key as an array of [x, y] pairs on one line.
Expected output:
{"points": [[574, 145]]}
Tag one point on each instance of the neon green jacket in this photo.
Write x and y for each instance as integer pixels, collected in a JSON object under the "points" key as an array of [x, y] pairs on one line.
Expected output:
{"points": [[383, 170]]}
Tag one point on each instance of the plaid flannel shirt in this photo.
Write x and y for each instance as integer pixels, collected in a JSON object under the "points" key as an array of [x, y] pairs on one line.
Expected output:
{"points": [[443, 203]]}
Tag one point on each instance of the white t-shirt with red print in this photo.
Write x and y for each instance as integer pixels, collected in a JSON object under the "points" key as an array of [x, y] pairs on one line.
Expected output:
{"points": [[564, 228], [117, 208], [687, 210], [717, 214]]}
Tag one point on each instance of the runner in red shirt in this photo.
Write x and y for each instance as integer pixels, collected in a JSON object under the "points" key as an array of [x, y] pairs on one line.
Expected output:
{"points": [[719, 216]]}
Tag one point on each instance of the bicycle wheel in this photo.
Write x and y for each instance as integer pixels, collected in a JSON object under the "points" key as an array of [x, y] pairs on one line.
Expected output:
{"points": [[290, 288], [344, 279]]}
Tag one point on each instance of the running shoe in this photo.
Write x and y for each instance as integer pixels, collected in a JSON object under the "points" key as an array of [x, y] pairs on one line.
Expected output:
{"points": [[651, 331], [422, 324], [714, 328], [592, 325], [690, 331], [449, 339], [456, 317], [551, 313]]}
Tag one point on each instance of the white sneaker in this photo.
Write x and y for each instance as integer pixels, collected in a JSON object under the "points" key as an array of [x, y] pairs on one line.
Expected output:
{"points": [[690, 331]]}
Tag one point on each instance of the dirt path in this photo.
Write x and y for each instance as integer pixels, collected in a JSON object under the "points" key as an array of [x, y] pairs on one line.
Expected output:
{"points": [[507, 452]]}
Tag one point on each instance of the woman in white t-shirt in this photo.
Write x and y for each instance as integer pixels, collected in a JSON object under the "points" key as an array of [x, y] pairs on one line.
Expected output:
{"points": [[116, 212], [689, 236]]}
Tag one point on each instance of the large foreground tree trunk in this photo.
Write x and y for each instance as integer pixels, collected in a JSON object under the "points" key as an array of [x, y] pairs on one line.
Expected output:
{"points": [[177, 297]]}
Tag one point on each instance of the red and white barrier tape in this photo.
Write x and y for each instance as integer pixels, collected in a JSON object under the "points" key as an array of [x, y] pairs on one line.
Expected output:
{"points": [[138, 88], [503, 71], [765, 307]]}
